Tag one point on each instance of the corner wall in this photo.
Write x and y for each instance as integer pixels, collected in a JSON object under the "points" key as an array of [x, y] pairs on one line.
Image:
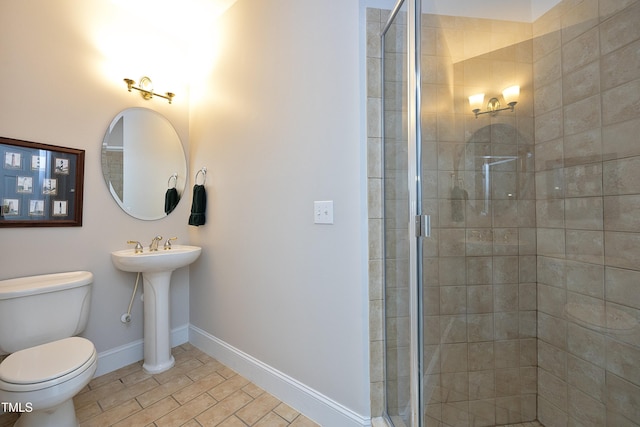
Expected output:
{"points": [[278, 127]]}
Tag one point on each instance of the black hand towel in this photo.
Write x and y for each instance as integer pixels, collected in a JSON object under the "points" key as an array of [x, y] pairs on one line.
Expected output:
{"points": [[198, 206], [171, 200]]}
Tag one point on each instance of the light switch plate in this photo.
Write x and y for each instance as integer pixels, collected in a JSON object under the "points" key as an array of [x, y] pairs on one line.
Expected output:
{"points": [[323, 212]]}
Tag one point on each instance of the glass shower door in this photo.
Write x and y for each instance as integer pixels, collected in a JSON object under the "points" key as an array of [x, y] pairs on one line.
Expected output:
{"points": [[477, 177]]}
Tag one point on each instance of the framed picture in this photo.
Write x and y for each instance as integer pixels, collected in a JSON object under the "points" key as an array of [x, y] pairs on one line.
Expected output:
{"points": [[25, 184], [10, 207], [36, 207], [12, 160], [38, 163], [61, 166], [60, 208], [50, 186], [41, 186]]}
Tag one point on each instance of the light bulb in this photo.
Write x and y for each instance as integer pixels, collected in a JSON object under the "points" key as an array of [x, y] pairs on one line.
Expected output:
{"points": [[476, 101], [511, 95]]}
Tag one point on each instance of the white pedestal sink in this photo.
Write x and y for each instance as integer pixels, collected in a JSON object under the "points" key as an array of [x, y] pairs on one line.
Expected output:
{"points": [[156, 269]]}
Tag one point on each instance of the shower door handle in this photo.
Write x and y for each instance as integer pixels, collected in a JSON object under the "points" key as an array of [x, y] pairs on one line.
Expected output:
{"points": [[423, 225]]}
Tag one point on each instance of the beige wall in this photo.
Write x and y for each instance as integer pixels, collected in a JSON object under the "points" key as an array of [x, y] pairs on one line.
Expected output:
{"points": [[278, 126], [57, 90]]}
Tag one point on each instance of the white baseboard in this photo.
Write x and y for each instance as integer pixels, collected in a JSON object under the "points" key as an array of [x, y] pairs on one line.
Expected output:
{"points": [[116, 358], [308, 401]]}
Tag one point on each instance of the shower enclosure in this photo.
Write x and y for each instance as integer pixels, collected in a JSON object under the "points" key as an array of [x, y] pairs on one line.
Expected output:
{"points": [[510, 239]]}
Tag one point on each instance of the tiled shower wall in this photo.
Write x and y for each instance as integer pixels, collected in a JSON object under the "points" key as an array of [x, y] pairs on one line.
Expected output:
{"points": [[112, 166], [375, 21], [586, 81], [587, 110]]}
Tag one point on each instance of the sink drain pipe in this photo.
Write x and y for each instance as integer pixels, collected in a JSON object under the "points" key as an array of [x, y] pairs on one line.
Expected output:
{"points": [[126, 318]]}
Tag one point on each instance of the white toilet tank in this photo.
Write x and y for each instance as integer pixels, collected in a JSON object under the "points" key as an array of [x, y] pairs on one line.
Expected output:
{"points": [[40, 309]]}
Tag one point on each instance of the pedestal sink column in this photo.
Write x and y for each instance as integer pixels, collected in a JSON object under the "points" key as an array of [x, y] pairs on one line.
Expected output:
{"points": [[156, 268], [157, 341]]}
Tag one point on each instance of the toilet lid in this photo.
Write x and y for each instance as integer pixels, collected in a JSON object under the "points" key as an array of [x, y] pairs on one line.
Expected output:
{"points": [[47, 361]]}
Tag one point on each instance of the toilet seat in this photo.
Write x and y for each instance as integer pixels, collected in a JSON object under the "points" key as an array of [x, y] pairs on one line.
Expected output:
{"points": [[47, 365]]}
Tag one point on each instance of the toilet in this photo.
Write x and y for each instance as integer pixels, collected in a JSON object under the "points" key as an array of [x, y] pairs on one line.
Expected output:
{"points": [[47, 364]]}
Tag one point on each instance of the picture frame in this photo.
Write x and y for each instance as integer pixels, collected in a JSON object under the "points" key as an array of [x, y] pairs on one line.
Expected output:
{"points": [[41, 185]]}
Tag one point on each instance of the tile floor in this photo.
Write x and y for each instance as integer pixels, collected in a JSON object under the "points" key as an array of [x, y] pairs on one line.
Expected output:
{"points": [[198, 391], [528, 424]]}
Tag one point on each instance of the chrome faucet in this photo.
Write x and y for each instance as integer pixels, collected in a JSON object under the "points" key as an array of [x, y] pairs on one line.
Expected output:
{"points": [[153, 247], [138, 248], [167, 244]]}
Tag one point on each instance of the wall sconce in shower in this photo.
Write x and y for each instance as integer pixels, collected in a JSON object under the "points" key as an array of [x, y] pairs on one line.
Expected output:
{"points": [[509, 94], [146, 89]]}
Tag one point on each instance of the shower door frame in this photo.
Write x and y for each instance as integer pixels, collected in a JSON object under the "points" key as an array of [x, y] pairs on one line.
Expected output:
{"points": [[419, 223]]}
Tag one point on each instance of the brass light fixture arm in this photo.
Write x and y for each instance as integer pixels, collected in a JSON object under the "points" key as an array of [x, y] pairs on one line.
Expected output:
{"points": [[493, 107], [148, 94]]}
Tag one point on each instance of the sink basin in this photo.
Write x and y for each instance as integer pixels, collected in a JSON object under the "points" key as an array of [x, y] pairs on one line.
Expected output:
{"points": [[156, 269], [155, 262]]}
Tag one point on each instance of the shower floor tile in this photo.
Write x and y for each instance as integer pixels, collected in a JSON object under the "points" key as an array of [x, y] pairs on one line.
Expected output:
{"points": [[380, 422], [529, 424], [197, 391]]}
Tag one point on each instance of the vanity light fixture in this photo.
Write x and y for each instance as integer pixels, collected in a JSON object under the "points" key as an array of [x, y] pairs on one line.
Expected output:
{"points": [[510, 95], [146, 89]]}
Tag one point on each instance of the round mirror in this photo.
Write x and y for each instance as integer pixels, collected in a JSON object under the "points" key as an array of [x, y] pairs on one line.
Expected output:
{"points": [[143, 163]]}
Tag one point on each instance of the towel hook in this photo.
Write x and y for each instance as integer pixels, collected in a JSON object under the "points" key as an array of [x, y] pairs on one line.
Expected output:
{"points": [[173, 177], [202, 171]]}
